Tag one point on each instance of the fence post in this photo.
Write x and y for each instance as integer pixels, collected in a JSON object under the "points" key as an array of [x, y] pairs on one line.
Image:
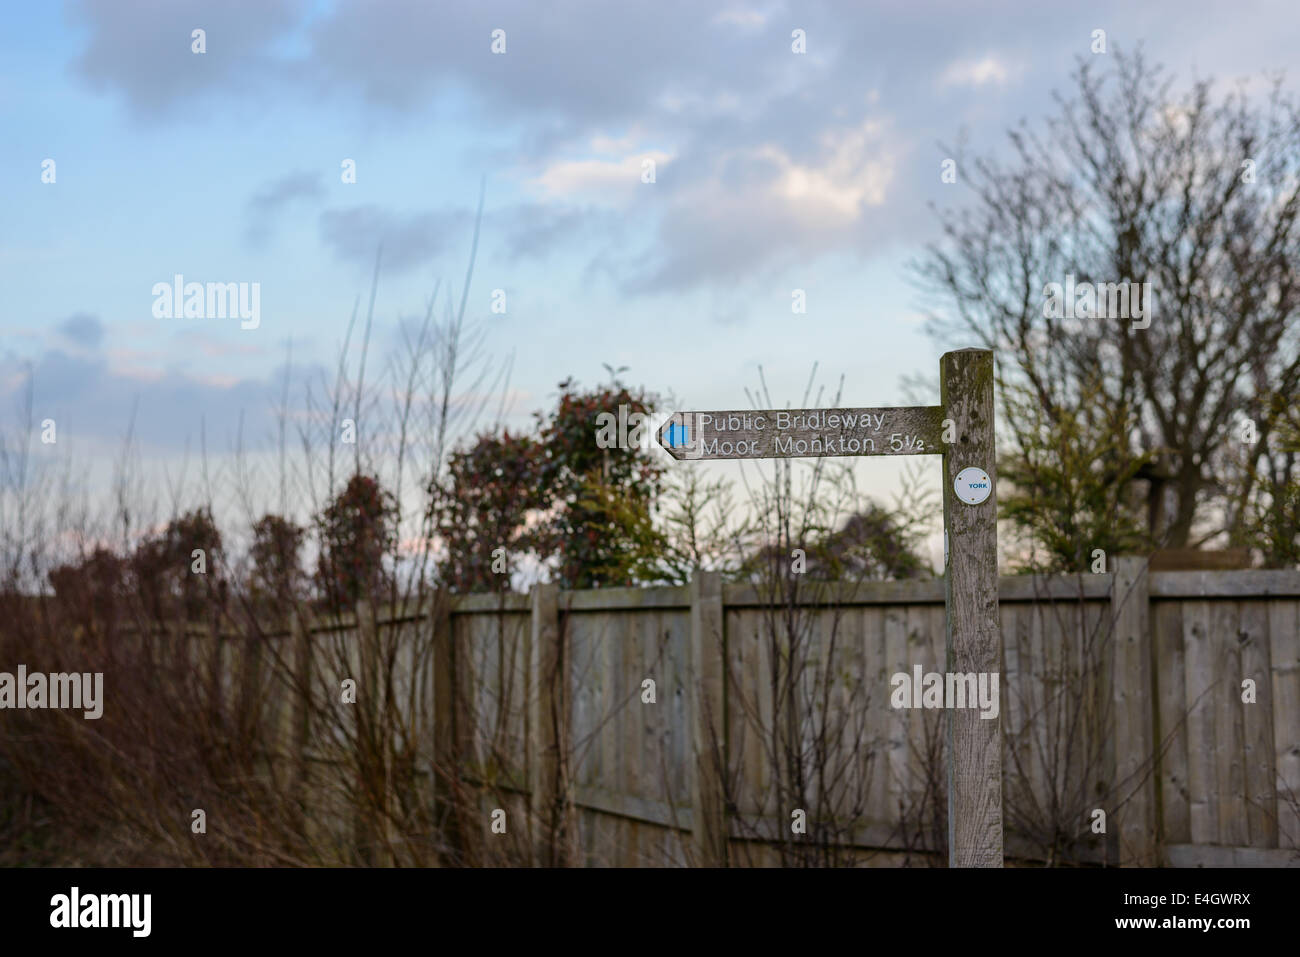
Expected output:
{"points": [[216, 642], [455, 803], [251, 697], [550, 803], [1136, 768], [708, 688], [299, 716], [371, 824], [973, 632], [444, 721]]}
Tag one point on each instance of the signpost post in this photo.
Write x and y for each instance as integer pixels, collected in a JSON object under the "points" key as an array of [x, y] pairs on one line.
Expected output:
{"points": [[960, 429]]}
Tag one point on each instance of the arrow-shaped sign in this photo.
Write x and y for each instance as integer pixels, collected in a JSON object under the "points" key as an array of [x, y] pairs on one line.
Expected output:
{"points": [[788, 433]]}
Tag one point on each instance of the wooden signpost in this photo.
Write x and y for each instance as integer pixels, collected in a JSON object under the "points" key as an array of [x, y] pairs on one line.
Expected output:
{"points": [[960, 429]]}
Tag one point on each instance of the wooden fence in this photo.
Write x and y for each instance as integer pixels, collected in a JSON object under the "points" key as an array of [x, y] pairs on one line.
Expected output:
{"points": [[1147, 717]]}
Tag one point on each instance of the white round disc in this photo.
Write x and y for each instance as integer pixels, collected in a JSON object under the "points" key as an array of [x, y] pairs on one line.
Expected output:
{"points": [[972, 485]]}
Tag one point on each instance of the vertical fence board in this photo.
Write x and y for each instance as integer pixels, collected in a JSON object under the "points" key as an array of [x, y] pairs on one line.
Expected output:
{"points": [[895, 763], [1103, 641], [1017, 697], [1284, 644], [549, 786], [752, 730], [1134, 779], [876, 675], [1199, 663], [708, 655], [1012, 721], [1230, 753], [1167, 622], [629, 715], [1257, 727]]}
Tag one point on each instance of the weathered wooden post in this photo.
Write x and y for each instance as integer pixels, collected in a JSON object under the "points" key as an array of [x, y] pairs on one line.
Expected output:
{"points": [[1134, 708], [297, 732], [708, 731], [971, 597], [456, 795], [448, 733], [370, 809], [961, 428], [550, 801]]}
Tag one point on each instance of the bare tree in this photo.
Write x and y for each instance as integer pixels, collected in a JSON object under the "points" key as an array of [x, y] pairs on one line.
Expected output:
{"points": [[1133, 183]]}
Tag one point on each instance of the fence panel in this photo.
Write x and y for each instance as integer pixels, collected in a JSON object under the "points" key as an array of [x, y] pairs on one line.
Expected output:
{"points": [[1086, 704]]}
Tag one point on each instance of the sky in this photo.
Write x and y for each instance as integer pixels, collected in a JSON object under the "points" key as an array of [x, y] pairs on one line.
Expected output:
{"points": [[774, 170]]}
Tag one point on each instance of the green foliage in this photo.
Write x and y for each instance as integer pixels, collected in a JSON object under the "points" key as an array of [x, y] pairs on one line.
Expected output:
{"points": [[699, 530], [871, 544], [1273, 525], [604, 536], [276, 574], [161, 566], [483, 504], [600, 531], [1067, 480], [94, 588], [557, 496], [356, 530], [843, 533], [1276, 528]]}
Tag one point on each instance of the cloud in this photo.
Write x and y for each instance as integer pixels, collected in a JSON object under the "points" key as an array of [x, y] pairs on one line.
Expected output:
{"points": [[518, 231], [741, 17], [731, 314], [765, 157], [730, 115], [195, 341], [538, 230], [82, 329], [855, 172], [142, 48], [975, 73], [614, 181], [594, 64], [93, 399], [264, 205], [355, 234], [763, 208]]}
